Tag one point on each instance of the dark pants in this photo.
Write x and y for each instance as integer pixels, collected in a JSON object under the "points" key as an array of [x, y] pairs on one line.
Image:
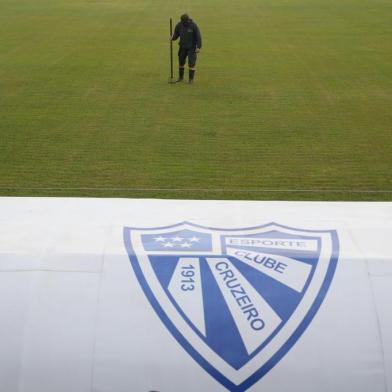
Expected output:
{"points": [[183, 53]]}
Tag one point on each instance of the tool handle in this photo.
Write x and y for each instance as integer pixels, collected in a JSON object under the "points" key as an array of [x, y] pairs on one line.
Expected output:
{"points": [[171, 49]]}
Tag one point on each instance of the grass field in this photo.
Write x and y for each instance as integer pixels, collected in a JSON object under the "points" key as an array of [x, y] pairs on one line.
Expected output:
{"points": [[292, 100]]}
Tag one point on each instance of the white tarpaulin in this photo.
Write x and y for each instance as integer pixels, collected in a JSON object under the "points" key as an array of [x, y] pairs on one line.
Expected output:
{"points": [[117, 295]]}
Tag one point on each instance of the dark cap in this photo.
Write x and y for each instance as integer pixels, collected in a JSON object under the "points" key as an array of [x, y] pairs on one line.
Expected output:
{"points": [[184, 18]]}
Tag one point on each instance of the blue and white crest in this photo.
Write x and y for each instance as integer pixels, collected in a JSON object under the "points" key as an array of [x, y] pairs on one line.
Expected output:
{"points": [[236, 300]]}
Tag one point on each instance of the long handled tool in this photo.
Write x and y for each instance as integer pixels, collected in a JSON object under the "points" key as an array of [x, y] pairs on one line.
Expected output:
{"points": [[171, 78]]}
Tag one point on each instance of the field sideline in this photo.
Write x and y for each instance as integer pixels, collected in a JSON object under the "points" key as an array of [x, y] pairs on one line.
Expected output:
{"points": [[292, 100]]}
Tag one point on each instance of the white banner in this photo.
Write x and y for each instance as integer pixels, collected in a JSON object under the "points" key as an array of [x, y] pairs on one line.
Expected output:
{"points": [[116, 295]]}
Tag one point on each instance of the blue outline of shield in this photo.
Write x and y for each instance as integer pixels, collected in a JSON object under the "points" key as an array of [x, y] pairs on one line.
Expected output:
{"points": [[192, 351]]}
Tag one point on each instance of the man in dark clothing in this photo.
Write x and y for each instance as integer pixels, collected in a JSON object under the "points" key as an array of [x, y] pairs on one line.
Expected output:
{"points": [[190, 45]]}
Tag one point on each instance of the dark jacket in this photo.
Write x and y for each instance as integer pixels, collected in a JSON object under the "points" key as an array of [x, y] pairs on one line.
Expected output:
{"points": [[189, 34]]}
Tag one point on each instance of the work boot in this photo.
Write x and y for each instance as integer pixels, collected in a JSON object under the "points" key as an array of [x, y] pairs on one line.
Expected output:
{"points": [[191, 75], [180, 74]]}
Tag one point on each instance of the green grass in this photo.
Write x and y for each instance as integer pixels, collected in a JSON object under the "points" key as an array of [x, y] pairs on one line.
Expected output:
{"points": [[289, 95]]}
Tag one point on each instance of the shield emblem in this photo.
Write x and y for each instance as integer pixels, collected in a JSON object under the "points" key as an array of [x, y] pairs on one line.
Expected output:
{"points": [[236, 300]]}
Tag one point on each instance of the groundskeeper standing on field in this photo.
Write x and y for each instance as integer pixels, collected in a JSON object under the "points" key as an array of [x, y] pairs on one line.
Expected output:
{"points": [[190, 45]]}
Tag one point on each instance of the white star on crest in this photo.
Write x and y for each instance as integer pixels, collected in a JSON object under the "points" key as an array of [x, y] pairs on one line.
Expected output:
{"points": [[194, 239], [160, 239], [168, 245], [186, 245], [177, 239]]}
